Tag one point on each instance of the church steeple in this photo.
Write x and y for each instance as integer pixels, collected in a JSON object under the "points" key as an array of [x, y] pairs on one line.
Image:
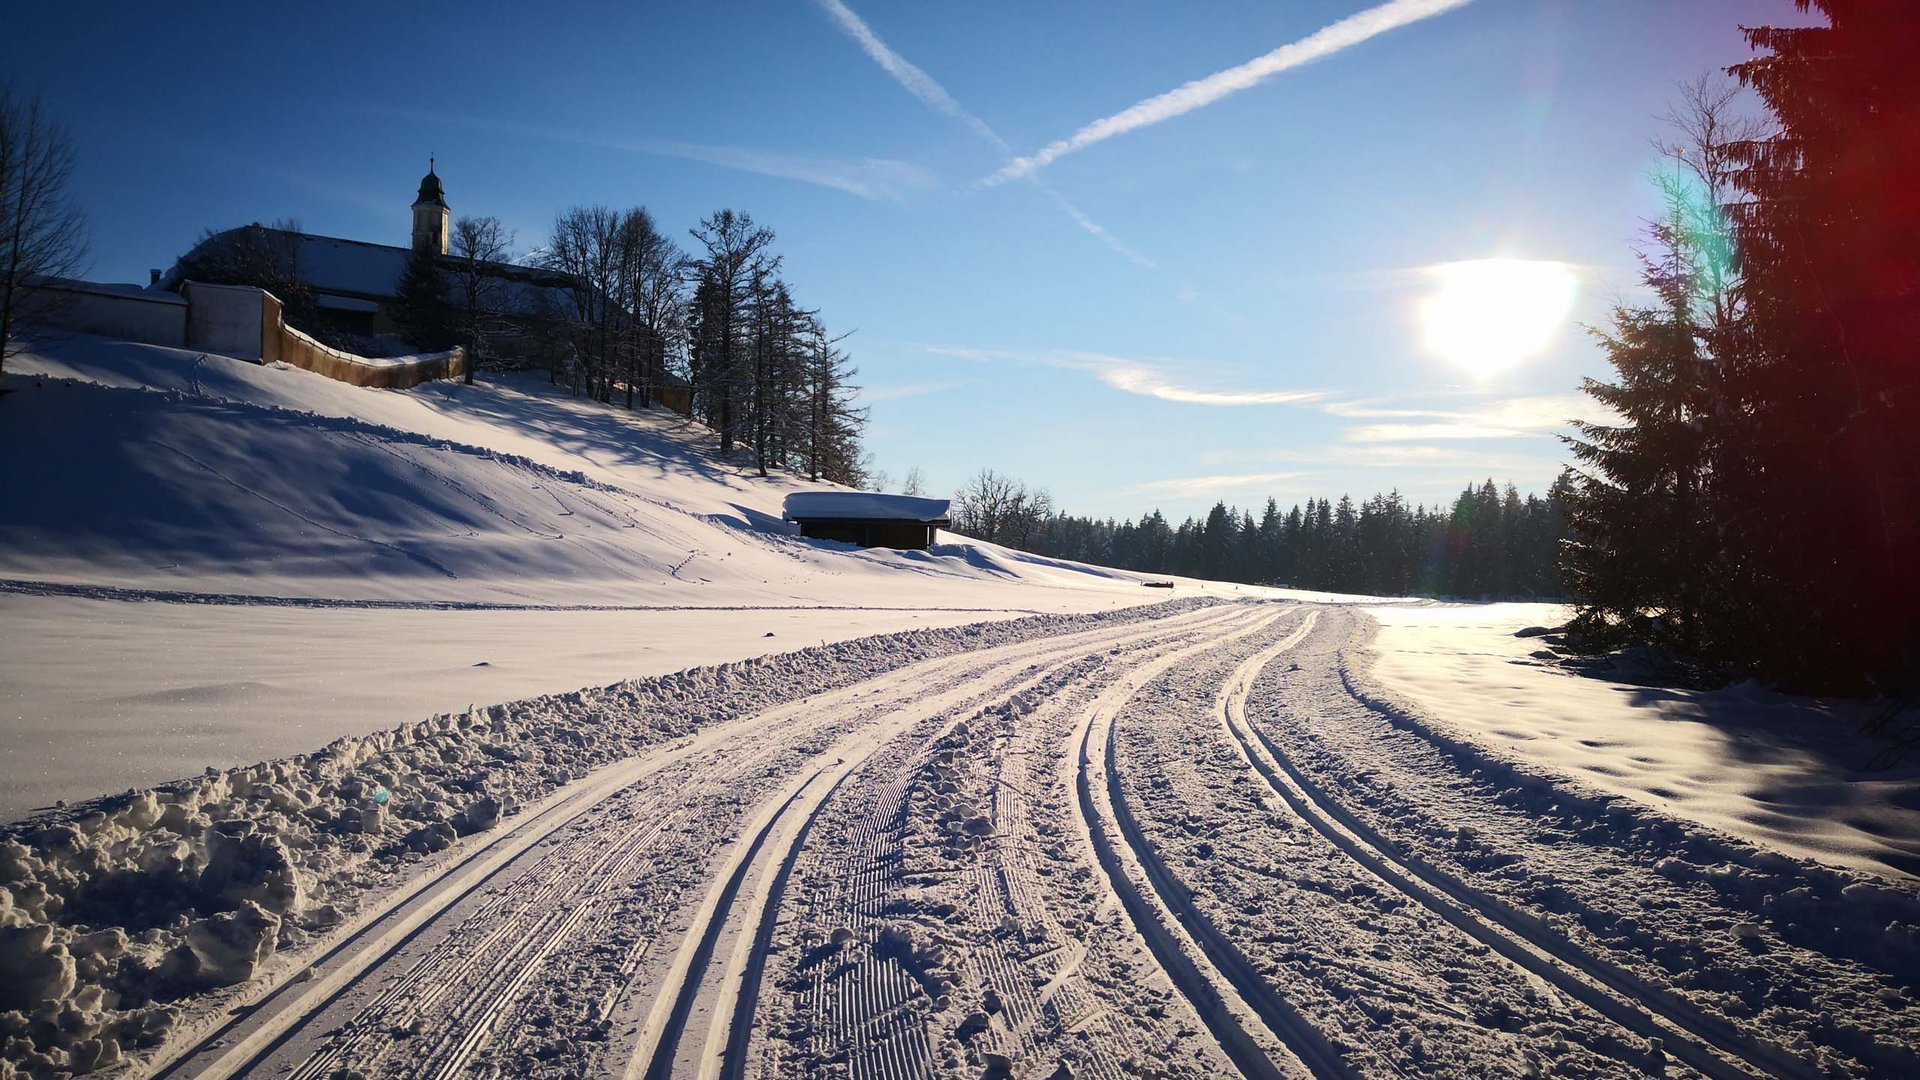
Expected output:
{"points": [[430, 214]]}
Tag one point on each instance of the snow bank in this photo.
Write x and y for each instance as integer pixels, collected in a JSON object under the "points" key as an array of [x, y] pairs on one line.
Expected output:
{"points": [[1784, 774], [258, 548]]}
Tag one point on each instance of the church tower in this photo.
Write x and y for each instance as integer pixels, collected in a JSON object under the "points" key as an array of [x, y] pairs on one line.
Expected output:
{"points": [[430, 214]]}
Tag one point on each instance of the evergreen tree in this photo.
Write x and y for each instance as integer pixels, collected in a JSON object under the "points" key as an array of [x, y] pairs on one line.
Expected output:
{"points": [[1639, 517], [1823, 480], [1491, 542], [423, 304]]}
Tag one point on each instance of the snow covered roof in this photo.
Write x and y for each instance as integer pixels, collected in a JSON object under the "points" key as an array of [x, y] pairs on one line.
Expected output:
{"points": [[102, 288], [355, 268], [345, 303], [863, 506]]}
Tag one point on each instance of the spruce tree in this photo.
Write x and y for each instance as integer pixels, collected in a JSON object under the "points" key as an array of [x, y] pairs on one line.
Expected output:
{"points": [[422, 304], [1637, 513], [1824, 486]]}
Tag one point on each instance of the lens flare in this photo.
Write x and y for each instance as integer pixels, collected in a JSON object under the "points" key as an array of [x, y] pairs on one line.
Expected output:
{"points": [[1490, 315]]}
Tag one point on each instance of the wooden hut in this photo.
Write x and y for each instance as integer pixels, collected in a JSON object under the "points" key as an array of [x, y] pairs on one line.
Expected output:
{"points": [[868, 518]]}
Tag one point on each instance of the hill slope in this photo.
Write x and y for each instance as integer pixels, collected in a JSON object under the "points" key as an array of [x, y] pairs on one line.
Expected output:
{"points": [[332, 560], [167, 470]]}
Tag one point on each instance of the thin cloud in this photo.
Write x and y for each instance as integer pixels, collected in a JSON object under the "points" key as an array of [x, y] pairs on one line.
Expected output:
{"points": [[877, 179], [921, 85], [1189, 486], [1506, 418], [1417, 432], [1133, 377], [1098, 231], [1401, 457], [1535, 411], [1149, 382], [906, 390], [1200, 93]]}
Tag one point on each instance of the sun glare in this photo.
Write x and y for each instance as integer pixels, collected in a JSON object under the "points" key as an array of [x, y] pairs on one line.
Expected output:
{"points": [[1489, 315]]}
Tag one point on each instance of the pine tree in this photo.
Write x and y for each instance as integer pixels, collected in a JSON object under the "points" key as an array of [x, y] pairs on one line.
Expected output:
{"points": [[1824, 482], [1648, 509], [1638, 515], [422, 304]]}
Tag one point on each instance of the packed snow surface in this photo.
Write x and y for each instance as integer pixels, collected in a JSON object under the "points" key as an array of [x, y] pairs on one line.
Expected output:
{"points": [[1792, 774]]}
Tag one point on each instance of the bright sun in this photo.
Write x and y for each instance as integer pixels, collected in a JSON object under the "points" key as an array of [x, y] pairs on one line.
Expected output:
{"points": [[1488, 315]]}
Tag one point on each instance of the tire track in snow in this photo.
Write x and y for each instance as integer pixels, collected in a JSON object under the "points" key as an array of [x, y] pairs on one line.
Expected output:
{"points": [[1702, 1042], [658, 1047], [1215, 977]]}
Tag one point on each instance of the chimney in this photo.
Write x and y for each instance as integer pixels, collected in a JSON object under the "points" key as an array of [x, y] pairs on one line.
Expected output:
{"points": [[153, 277]]}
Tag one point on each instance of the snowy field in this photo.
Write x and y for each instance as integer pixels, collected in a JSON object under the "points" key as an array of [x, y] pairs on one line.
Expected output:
{"points": [[1789, 774], [824, 812]]}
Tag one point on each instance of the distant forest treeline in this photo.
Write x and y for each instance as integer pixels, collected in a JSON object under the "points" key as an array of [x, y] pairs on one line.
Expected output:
{"points": [[1491, 542]]}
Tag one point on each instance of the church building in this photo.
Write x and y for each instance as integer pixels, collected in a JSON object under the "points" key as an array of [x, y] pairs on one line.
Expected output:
{"points": [[352, 285], [345, 291]]}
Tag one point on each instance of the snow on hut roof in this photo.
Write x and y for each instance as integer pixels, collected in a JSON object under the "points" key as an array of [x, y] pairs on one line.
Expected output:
{"points": [[863, 506]]}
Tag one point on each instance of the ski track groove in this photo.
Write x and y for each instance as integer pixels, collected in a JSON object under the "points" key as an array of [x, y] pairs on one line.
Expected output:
{"points": [[871, 1005], [1611, 991], [1243, 986], [661, 1043]]}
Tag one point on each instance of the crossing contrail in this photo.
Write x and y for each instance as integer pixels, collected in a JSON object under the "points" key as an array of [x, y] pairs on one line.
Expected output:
{"points": [[925, 87], [1199, 93]]}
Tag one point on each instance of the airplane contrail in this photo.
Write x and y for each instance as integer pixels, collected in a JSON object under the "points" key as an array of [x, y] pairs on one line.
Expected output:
{"points": [[1199, 93], [925, 87], [905, 72]]}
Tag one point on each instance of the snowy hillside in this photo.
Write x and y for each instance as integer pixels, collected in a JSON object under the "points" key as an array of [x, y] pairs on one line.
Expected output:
{"points": [[227, 477], [336, 560]]}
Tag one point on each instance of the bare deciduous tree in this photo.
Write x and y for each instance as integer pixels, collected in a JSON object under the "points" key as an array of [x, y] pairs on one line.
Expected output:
{"points": [[479, 245], [652, 274], [736, 257], [585, 246], [42, 231], [915, 482], [1000, 509], [263, 256]]}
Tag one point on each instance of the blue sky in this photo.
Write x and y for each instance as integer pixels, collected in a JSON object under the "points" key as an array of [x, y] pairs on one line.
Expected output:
{"points": [[1218, 304]]}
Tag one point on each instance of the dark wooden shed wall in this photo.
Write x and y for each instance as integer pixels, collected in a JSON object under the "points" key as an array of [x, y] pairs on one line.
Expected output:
{"points": [[910, 535]]}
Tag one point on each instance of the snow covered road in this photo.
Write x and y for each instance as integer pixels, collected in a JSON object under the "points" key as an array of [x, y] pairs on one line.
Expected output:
{"points": [[1181, 842], [1108, 851]]}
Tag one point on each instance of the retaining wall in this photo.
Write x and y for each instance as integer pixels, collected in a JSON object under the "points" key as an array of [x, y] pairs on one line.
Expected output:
{"points": [[231, 320]]}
